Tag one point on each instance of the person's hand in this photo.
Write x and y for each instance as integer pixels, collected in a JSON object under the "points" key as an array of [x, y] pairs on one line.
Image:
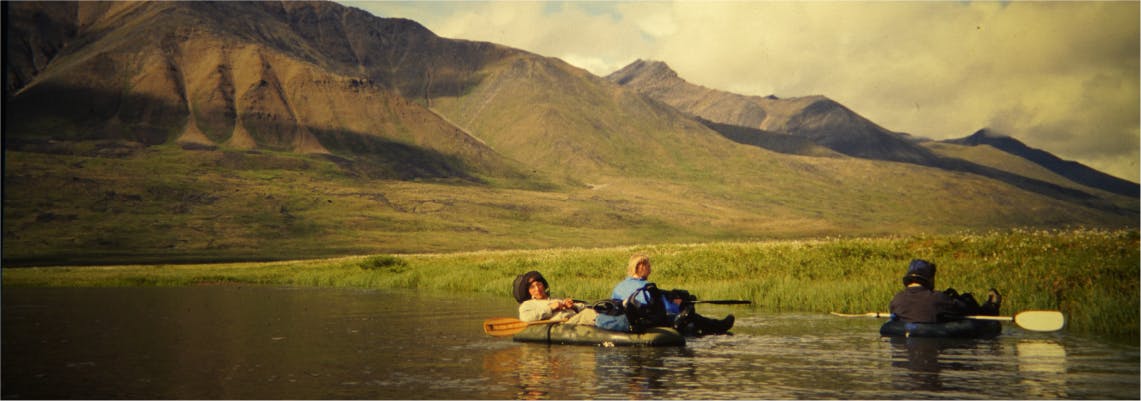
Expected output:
{"points": [[994, 297], [562, 304]]}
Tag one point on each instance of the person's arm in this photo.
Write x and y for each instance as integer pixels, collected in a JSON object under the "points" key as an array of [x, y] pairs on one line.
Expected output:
{"points": [[542, 309], [951, 308], [895, 306], [535, 309], [673, 305]]}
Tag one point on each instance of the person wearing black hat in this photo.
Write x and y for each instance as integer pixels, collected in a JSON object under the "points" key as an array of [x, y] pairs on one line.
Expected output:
{"points": [[535, 303], [920, 303]]}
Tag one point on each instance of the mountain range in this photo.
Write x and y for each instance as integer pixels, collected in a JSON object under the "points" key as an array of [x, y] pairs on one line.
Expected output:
{"points": [[222, 130]]}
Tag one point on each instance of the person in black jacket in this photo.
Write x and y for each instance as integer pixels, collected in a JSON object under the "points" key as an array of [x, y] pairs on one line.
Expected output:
{"points": [[920, 303]]}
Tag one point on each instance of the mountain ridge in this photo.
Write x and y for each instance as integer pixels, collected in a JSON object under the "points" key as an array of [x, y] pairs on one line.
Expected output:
{"points": [[828, 123], [241, 94], [816, 118], [1072, 170], [223, 130]]}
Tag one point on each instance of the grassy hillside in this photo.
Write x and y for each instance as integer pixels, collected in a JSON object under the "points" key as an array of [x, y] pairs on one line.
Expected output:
{"points": [[1090, 275], [114, 202]]}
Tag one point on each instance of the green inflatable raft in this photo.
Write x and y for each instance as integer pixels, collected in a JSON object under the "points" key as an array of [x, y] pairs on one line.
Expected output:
{"points": [[558, 333]]}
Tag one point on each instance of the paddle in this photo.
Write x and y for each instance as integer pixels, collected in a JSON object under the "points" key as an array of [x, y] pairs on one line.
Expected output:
{"points": [[506, 326], [724, 302], [1033, 320], [715, 302]]}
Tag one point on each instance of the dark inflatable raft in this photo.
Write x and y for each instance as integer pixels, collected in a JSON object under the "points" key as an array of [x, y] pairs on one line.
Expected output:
{"points": [[966, 328], [558, 333]]}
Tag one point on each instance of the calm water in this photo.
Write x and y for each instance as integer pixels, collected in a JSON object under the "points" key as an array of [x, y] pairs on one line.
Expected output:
{"points": [[280, 343]]}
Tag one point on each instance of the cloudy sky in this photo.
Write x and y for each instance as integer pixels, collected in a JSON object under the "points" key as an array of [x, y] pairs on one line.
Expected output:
{"points": [[1062, 77]]}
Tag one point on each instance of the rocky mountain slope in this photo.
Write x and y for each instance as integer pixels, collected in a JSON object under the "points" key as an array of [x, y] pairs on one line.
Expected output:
{"points": [[243, 75], [248, 130], [815, 118], [824, 122]]}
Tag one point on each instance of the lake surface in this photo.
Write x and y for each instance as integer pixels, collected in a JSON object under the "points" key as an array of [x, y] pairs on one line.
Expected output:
{"points": [[229, 342]]}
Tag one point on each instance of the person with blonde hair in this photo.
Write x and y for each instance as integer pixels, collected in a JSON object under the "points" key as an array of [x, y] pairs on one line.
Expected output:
{"points": [[648, 306]]}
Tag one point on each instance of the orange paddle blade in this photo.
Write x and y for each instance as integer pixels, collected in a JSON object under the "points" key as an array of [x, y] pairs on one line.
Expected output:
{"points": [[503, 326], [506, 326]]}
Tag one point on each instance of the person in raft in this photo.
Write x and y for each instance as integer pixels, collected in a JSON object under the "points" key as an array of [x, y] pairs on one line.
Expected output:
{"points": [[644, 303], [918, 302], [535, 303]]}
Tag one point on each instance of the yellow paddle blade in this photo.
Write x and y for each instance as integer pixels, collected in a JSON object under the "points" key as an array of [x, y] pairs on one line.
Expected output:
{"points": [[1040, 320]]}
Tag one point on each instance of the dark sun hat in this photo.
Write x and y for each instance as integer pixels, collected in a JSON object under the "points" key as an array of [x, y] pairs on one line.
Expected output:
{"points": [[922, 272], [523, 282]]}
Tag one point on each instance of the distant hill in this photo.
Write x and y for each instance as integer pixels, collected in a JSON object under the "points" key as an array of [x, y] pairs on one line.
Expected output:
{"points": [[1071, 170], [816, 118], [824, 122], [176, 131]]}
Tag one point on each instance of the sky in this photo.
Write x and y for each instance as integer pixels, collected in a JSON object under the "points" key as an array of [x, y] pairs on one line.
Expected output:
{"points": [[1058, 76]]}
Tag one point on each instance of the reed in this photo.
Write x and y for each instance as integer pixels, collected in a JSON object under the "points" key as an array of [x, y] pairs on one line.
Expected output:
{"points": [[1090, 275]]}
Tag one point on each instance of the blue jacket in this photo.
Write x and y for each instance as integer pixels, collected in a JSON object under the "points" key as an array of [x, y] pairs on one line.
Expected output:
{"points": [[626, 287]]}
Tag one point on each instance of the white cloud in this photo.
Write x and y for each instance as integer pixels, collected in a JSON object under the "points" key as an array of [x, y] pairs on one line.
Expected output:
{"points": [[657, 25]]}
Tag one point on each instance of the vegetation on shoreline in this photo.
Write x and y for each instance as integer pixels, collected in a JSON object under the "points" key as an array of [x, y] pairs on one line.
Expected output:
{"points": [[120, 202], [1090, 275]]}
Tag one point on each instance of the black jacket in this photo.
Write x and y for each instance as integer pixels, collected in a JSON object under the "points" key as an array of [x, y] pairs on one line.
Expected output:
{"points": [[920, 305]]}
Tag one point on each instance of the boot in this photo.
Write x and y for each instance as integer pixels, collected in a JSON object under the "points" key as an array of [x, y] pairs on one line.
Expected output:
{"points": [[993, 303], [684, 322], [994, 297], [706, 326]]}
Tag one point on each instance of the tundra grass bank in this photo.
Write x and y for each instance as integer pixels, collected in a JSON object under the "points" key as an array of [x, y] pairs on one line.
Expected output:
{"points": [[1090, 275]]}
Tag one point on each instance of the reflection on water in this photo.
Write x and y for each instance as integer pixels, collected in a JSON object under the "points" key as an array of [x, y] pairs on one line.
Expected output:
{"points": [[921, 357], [1041, 364], [578, 372], [281, 343], [931, 361], [536, 370]]}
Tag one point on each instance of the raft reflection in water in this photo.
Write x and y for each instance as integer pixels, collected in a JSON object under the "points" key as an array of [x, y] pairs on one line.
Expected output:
{"points": [[535, 371], [947, 364]]}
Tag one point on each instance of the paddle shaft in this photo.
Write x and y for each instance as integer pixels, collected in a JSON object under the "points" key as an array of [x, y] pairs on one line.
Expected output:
{"points": [[724, 302], [1034, 320], [714, 302], [888, 314]]}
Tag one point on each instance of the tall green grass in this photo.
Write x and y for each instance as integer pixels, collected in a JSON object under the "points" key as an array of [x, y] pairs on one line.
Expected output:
{"points": [[1090, 275]]}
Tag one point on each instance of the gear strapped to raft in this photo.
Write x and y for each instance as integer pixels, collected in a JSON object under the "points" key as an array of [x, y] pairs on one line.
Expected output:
{"points": [[646, 308]]}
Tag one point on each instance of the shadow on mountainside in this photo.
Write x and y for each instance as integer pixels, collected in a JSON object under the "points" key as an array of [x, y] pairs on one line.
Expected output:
{"points": [[113, 122], [792, 144]]}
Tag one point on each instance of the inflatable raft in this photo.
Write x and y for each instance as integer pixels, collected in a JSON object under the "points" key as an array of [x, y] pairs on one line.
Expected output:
{"points": [[966, 328], [558, 333]]}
